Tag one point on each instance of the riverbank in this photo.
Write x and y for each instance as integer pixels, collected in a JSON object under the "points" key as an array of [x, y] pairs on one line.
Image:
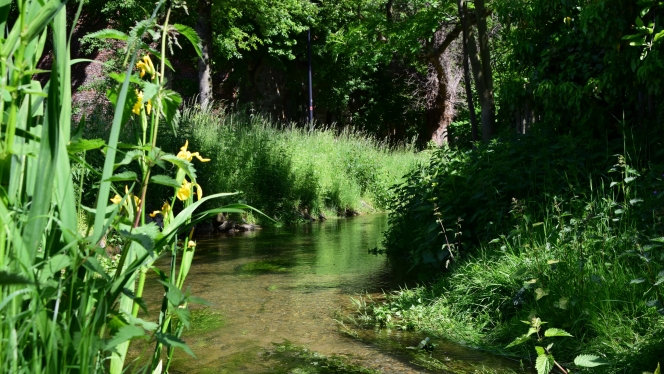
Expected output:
{"points": [[540, 226], [286, 171]]}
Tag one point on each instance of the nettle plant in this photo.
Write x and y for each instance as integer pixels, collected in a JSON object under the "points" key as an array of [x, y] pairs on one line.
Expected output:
{"points": [[545, 360]]}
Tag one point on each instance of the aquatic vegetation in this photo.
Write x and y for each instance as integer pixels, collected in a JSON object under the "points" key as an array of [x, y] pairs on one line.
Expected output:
{"points": [[266, 266], [298, 359]]}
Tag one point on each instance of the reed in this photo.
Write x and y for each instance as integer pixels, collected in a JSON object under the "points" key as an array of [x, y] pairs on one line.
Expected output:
{"points": [[61, 310]]}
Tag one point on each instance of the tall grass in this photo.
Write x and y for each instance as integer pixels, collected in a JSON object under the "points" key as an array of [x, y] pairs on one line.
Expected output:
{"points": [[284, 169]]}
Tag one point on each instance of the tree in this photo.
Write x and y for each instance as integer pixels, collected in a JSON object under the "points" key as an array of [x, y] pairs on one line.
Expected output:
{"points": [[204, 64], [482, 73]]}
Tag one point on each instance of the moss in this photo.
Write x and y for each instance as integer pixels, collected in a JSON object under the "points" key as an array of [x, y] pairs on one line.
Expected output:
{"points": [[297, 359], [266, 266], [204, 320]]}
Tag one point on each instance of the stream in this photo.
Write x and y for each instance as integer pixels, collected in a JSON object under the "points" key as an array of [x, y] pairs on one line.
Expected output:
{"points": [[275, 297]]}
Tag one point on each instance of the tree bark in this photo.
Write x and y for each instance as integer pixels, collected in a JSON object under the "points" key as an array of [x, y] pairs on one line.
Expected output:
{"points": [[204, 68], [444, 110], [486, 95], [463, 11]]}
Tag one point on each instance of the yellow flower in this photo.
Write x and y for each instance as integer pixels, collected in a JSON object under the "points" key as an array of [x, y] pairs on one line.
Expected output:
{"points": [[186, 155], [148, 107], [191, 244], [146, 66], [116, 199], [199, 191], [164, 210], [184, 192], [139, 103], [137, 201]]}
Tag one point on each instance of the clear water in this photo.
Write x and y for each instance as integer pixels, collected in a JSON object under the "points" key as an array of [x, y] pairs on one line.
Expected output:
{"points": [[284, 286]]}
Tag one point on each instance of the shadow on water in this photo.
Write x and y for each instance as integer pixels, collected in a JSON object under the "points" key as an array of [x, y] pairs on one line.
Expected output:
{"points": [[274, 295]]}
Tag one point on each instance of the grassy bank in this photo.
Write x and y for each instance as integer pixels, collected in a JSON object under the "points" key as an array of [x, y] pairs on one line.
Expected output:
{"points": [[558, 228], [284, 169]]}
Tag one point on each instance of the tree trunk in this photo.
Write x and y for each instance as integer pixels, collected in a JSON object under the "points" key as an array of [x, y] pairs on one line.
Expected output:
{"points": [[204, 68], [444, 110], [463, 11], [481, 66], [485, 95]]}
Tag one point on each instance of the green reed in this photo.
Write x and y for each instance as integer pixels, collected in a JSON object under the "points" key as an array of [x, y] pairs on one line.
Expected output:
{"points": [[61, 311]]}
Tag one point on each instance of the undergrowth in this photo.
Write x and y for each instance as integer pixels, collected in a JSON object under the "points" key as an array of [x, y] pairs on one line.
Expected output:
{"points": [[562, 229]]}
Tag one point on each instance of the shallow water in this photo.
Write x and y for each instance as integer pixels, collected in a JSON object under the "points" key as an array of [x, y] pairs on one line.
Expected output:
{"points": [[274, 289]]}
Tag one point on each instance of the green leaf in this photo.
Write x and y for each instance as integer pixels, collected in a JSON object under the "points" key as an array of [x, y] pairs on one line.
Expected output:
{"points": [[124, 176], [658, 370], [658, 36], [45, 15], [54, 265], [176, 224], [185, 165], [165, 181], [192, 36], [540, 293], [173, 341], [80, 145], [589, 361], [637, 280], [108, 34], [149, 90], [540, 351], [11, 278], [144, 235], [128, 158], [124, 334], [170, 101], [644, 11], [544, 364], [639, 22], [552, 331], [520, 340]]}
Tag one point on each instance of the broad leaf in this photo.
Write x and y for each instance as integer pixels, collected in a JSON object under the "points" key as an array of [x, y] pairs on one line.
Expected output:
{"points": [[164, 180], [184, 165], [540, 293], [552, 331], [80, 145], [173, 341], [192, 36], [108, 34], [521, 339], [124, 176], [144, 235], [170, 102], [54, 265], [589, 361], [124, 334], [544, 364]]}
